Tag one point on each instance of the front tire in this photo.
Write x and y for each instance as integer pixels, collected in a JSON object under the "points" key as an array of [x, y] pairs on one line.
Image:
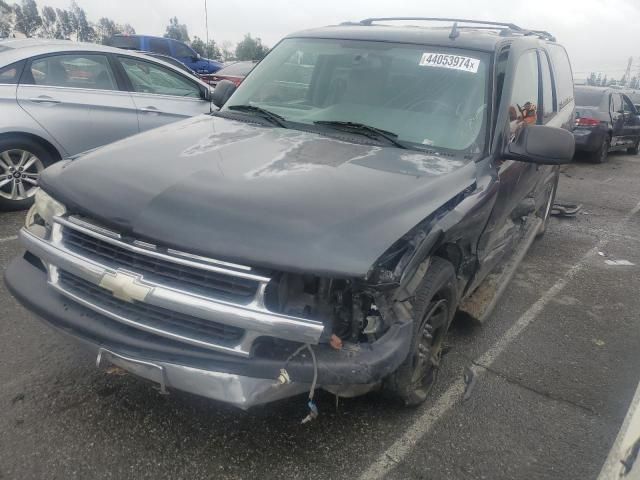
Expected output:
{"points": [[635, 149], [434, 306], [22, 160]]}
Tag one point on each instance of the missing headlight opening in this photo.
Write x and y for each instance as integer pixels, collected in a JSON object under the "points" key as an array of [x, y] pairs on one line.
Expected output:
{"points": [[346, 308]]}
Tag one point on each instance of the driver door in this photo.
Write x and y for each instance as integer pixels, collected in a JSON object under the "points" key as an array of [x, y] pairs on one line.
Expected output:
{"points": [[516, 179]]}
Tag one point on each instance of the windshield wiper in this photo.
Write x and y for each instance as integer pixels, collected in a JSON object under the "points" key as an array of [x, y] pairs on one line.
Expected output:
{"points": [[363, 129], [272, 117]]}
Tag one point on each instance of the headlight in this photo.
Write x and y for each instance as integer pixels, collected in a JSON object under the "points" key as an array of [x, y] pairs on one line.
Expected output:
{"points": [[40, 216]]}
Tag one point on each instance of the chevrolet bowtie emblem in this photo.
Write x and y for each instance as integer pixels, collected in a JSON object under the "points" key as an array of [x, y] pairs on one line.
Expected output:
{"points": [[125, 286]]}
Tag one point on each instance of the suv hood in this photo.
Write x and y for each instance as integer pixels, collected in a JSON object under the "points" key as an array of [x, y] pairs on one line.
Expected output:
{"points": [[260, 196]]}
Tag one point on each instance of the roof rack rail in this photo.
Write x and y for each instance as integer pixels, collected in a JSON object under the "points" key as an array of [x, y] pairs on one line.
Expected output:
{"points": [[481, 23], [512, 26]]}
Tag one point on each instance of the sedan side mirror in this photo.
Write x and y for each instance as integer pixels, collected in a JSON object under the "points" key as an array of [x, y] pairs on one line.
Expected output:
{"points": [[205, 93], [543, 145], [223, 92], [196, 57]]}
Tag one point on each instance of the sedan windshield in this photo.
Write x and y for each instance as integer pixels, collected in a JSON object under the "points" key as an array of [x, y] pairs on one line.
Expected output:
{"points": [[424, 96]]}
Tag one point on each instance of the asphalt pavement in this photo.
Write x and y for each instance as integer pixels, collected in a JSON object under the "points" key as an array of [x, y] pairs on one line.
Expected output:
{"points": [[554, 368]]}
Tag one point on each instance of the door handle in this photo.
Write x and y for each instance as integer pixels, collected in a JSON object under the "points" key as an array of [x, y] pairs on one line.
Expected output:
{"points": [[150, 109], [44, 99]]}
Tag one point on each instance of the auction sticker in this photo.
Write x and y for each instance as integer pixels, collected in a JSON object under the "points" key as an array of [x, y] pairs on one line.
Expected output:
{"points": [[455, 62]]}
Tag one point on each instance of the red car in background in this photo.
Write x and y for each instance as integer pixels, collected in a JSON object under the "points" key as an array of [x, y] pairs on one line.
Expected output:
{"points": [[234, 72]]}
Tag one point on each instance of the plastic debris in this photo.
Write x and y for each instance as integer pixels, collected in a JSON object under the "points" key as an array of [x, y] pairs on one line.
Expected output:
{"points": [[565, 209], [335, 342], [619, 263], [313, 412], [470, 380], [284, 377]]}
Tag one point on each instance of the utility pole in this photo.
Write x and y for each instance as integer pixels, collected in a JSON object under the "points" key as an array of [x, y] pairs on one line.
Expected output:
{"points": [[627, 74]]}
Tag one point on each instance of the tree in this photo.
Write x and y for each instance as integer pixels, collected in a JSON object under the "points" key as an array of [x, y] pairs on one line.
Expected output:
{"points": [[177, 31], [127, 29], [6, 19], [65, 24], [28, 20], [84, 31], [591, 79], [50, 28], [251, 49], [227, 50], [209, 50], [599, 80], [604, 82], [105, 29]]}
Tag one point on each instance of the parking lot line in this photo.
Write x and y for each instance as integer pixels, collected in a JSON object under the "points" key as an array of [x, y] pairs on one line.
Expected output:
{"points": [[425, 422], [8, 239]]}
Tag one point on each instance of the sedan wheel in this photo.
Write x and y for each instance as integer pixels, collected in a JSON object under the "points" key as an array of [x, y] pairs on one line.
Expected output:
{"points": [[19, 174]]}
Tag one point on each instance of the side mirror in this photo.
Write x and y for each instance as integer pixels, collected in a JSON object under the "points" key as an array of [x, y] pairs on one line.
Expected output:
{"points": [[543, 145], [196, 57], [205, 93], [223, 92]]}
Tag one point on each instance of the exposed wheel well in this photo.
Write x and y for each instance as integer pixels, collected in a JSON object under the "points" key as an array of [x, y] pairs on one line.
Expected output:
{"points": [[45, 144]]}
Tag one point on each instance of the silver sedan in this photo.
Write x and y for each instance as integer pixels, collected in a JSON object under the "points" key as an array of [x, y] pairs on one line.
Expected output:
{"points": [[61, 98]]}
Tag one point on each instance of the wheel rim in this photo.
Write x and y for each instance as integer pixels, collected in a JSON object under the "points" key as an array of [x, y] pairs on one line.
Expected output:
{"points": [[429, 348], [19, 174]]}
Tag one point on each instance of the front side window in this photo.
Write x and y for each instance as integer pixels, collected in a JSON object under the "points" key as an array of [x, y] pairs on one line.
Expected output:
{"points": [[159, 45], [147, 77], [73, 71], [523, 108], [627, 105], [429, 97]]}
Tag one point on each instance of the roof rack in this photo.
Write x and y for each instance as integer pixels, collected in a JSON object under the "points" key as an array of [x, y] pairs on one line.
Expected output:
{"points": [[506, 28]]}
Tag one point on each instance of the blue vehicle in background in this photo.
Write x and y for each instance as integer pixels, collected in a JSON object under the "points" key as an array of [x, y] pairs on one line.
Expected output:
{"points": [[167, 46]]}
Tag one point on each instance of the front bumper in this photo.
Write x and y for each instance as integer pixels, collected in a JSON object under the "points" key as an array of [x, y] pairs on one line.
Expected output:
{"points": [[241, 381]]}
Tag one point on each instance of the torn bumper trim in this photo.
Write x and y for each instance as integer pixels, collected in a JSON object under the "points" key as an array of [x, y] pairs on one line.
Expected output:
{"points": [[206, 372]]}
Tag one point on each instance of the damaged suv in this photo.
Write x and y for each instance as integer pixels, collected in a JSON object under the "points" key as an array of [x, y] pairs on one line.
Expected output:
{"points": [[364, 183]]}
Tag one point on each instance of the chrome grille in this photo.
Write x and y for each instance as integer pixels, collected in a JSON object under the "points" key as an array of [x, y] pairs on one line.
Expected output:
{"points": [[150, 316], [156, 269], [192, 299]]}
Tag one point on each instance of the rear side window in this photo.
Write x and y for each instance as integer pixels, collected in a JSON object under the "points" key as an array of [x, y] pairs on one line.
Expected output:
{"points": [[11, 73], [159, 45], [73, 71], [523, 108], [548, 99], [563, 75]]}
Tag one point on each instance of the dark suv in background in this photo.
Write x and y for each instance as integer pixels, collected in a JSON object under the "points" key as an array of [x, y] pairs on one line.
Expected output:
{"points": [[360, 186], [606, 120]]}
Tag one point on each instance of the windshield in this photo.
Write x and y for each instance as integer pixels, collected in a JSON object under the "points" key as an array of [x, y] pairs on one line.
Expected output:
{"points": [[588, 98], [427, 96]]}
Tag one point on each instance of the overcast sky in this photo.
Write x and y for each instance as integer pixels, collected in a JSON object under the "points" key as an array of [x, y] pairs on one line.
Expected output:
{"points": [[599, 34]]}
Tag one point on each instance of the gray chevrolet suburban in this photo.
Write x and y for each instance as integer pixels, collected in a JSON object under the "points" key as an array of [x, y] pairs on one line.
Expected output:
{"points": [[321, 229]]}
